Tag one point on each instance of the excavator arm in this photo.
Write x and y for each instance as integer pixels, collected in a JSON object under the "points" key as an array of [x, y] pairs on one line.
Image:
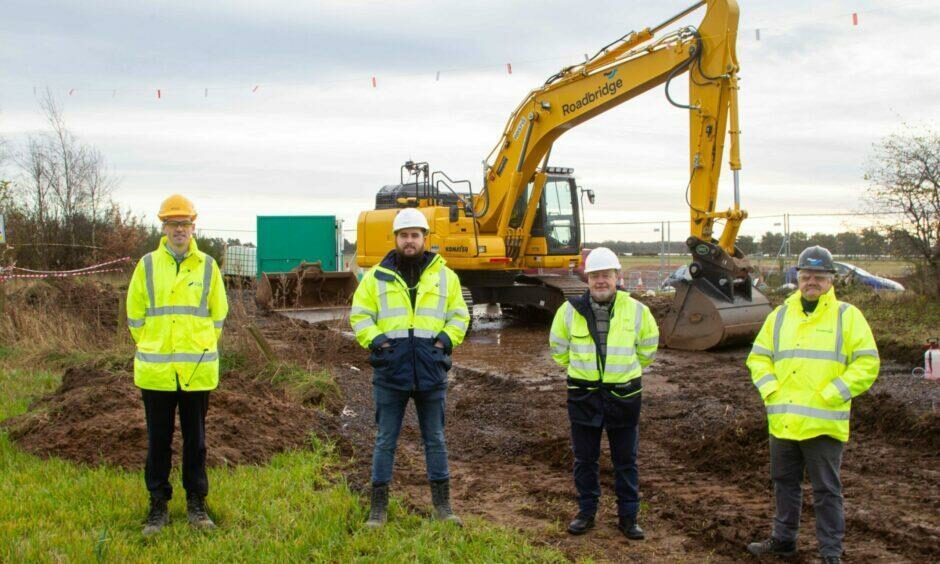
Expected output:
{"points": [[719, 305], [619, 72]]}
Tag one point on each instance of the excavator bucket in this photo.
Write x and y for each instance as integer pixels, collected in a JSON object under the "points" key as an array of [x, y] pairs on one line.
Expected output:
{"points": [[701, 318], [719, 306], [307, 292]]}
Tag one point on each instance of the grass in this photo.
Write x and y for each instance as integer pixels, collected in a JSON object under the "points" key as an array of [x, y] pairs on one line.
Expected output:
{"points": [[287, 510], [899, 321], [297, 507]]}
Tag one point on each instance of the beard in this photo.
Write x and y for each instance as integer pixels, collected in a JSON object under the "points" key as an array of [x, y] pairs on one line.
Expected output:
{"points": [[603, 296]]}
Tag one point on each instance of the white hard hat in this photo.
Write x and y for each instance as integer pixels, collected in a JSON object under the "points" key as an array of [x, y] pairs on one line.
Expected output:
{"points": [[601, 258], [410, 217]]}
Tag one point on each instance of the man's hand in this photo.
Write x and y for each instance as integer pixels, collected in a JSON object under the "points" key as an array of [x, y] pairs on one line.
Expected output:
{"points": [[385, 345], [439, 344]]}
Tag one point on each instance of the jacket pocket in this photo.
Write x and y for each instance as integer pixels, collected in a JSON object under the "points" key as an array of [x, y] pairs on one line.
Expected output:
{"points": [[431, 364], [622, 411], [392, 365], [584, 406]]}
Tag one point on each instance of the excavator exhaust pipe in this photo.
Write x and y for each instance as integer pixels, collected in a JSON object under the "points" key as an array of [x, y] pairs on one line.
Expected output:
{"points": [[719, 306]]}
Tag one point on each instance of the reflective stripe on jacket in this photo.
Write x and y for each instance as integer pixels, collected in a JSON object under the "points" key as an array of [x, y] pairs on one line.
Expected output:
{"points": [[632, 340], [808, 367], [176, 319], [382, 312]]}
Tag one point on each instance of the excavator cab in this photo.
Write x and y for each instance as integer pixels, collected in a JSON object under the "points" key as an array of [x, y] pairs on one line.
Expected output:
{"points": [[557, 219]]}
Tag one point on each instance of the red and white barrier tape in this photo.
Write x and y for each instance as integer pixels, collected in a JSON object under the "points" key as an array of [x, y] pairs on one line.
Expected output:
{"points": [[77, 270], [59, 274]]}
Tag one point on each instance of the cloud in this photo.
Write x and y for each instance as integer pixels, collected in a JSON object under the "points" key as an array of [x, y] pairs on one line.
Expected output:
{"points": [[816, 92]]}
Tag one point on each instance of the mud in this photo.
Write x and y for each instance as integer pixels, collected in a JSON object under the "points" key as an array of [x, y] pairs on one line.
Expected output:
{"points": [[703, 458], [704, 461], [97, 417]]}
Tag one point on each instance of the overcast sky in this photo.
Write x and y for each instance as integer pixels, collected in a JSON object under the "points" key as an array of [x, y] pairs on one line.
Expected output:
{"points": [[315, 137]]}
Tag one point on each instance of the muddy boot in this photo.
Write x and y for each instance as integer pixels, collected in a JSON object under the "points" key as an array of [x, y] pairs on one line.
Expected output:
{"points": [[831, 559], [582, 523], [772, 547], [630, 529], [198, 517], [378, 512], [440, 497], [157, 518]]}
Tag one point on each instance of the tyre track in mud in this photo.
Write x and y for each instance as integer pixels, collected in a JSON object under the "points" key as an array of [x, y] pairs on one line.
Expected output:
{"points": [[704, 477]]}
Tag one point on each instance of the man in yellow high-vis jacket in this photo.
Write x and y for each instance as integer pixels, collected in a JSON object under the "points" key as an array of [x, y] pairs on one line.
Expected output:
{"points": [[604, 338], [410, 313], [811, 357], [176, 305]]}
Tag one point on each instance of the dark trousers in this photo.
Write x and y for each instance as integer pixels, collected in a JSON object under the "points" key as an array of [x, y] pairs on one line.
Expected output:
{"points": [[586, 443], [160, 409], [821, 458]]}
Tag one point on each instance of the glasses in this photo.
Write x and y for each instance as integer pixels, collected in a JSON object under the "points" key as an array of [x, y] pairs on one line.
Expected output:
{"points": [[178, 224], [820, 277]]}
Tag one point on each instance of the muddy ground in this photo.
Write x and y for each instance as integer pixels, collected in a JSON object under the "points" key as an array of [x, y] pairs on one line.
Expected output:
{"points": [[97, 417], [703, 449], [703, 456]]}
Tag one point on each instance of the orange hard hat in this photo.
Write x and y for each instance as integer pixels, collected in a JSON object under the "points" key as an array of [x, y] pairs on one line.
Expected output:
{"points": [[177, 206]]}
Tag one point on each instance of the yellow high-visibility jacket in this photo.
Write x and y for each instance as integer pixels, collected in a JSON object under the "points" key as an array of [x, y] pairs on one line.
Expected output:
{"points": [[808, 367], [632, 339], [382, 312], [175, 317]]}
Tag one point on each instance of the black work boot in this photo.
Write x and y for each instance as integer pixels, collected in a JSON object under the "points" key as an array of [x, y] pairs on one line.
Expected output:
{"points": [[198, 517], [378, 510], [440, 498], [157, 518], [831, 559], [630, 529], [582, 523], [772, 547]]}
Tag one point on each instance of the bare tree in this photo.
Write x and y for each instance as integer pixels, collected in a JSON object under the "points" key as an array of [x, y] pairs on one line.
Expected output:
{"points": [[904, 175], [67, 168], [67, 189], [33, 161], [99, 186]]}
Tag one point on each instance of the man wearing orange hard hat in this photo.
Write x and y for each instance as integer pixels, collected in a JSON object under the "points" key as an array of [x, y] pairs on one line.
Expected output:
{"points": [[176, 306]]}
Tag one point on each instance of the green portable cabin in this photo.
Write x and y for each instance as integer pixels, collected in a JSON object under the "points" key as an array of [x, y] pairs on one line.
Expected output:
{"points": [[284, 241]]}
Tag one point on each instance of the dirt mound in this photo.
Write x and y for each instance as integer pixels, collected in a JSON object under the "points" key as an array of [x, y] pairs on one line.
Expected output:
{"points": [[92, 301], [97, 417], [881, 414]]}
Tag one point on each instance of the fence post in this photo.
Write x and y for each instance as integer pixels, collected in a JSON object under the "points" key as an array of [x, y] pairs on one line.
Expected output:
{"points": [[121, 321]]}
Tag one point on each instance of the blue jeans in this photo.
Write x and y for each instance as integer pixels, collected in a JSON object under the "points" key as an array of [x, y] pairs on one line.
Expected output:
{"points": [[389, 411]]}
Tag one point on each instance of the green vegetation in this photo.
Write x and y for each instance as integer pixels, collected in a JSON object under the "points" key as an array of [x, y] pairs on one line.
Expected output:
{"points": [[295, 508], [901, 322]]}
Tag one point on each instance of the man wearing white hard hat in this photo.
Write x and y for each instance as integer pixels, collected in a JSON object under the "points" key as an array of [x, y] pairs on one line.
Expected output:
{"points": [[410, 313], [604, 339]]}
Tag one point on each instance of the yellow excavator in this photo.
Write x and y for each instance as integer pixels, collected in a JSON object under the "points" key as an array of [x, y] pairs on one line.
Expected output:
{"points": [[527, 215]]}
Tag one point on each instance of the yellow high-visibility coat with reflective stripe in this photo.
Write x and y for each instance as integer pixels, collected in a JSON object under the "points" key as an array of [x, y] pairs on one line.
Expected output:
{"points": [[808, 368], [382, 305], [632, 339], [176, 319]]}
